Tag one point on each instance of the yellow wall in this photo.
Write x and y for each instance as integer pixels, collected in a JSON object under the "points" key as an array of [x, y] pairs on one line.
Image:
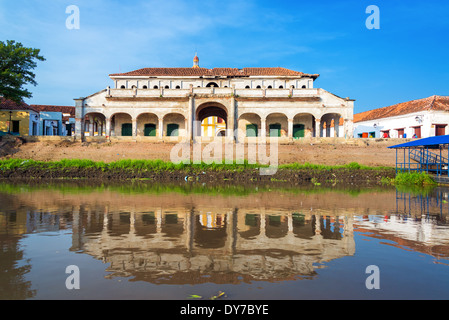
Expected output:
{"points": [[22, 116], [211, 122]]}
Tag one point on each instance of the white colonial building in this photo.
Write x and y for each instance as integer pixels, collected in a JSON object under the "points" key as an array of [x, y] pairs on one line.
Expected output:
{"points": [[156, 104], [420, 118]]}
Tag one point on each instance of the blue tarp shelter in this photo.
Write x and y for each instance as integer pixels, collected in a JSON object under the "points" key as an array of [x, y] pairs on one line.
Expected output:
{"points": [[423, 155]]}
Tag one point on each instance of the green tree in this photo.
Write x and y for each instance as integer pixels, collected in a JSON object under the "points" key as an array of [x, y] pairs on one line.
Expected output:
{"points": [[16, 69]]}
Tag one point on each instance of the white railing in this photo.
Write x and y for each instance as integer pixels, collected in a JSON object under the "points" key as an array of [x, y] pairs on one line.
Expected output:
{"points": [[256, 93]]}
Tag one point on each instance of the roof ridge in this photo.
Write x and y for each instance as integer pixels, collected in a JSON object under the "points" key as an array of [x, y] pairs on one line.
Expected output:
{"points": [[433, 102]]}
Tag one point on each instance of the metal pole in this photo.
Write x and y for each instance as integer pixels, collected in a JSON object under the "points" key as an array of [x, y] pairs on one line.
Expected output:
{"points": [[10, 122]]}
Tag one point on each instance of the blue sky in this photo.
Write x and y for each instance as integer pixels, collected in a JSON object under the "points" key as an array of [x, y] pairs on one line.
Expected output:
{"points": [[407, 58]]}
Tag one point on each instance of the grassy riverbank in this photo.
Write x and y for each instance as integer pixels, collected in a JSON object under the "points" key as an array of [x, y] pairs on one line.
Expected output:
{"points": [[159, 165], [410, 179], [165, 171]]}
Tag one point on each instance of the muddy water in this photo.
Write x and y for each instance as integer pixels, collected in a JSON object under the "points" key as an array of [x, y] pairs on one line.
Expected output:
{"points": [[172, 242]]}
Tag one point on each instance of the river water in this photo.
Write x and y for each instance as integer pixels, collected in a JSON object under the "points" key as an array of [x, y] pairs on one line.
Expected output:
{"points": [[175, 242]]}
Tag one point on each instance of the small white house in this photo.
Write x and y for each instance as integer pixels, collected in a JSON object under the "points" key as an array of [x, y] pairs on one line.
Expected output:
{"points": [[420, 118]]}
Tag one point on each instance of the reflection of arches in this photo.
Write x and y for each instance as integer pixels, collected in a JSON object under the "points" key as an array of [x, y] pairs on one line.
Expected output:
{"points": [[146, 225], [172, 225], [301, 228], [207, 237], [252, 226], [276, 226]]}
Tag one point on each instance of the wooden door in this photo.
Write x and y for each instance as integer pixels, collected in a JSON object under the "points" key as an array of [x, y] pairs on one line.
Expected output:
{"points": [[298, 131], [149, 130], [417, 132], [440, 129], [172, 130], [275, 130], [127, 129], [251, 130]]}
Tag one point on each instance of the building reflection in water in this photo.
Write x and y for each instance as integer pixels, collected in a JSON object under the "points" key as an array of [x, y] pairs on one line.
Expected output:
{"points": [[189, 242], [224, 246]]}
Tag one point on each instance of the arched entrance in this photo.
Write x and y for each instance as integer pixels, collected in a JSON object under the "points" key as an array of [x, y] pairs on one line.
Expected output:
{"points": [[212, 119], [277, 125], [249, 124], [94, 124], [147, 124], [174, 125], [121, 125], [303, 125], [330, 125]]}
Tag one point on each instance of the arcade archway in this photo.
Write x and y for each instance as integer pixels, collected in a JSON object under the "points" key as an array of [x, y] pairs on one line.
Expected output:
{"points": [[212, 119]]}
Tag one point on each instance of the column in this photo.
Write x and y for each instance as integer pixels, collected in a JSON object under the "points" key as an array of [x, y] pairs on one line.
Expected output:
{"points": [[263, 127], [134, 128], [161, 127], [337, 126], [190, 116], [91, 126], [79, 126], [317, 128], [108, 127], [231, 120], [79, 118], [290, 129]]}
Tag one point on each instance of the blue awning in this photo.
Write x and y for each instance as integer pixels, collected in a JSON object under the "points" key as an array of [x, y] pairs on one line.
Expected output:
{"points": [[425, 142]]}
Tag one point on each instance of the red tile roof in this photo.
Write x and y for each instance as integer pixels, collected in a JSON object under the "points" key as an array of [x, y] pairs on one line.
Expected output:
{"points": [[433, 103], [51, 108], [6, 104], [231, 72]]}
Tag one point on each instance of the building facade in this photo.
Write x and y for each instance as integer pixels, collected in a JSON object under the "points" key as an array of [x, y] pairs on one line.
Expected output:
{"points": [[18, 118], [420, 118], [56, 120], [162, 103]]}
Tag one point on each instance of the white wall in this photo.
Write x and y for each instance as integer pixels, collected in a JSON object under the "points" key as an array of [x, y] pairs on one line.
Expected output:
{"points": [[427, 121]]}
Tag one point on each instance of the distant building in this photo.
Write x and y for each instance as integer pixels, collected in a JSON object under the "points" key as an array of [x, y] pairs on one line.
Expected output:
{"points": [[166, 102], [56, 120], [420, 118], [18, 118]]}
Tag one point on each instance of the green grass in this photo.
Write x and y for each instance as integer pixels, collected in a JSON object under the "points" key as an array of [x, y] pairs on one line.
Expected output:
{"points": [[159, 165], [410, 179], [134, 165], [350, 166]]}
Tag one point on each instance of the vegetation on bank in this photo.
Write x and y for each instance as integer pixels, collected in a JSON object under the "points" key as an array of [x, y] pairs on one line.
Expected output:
{"points": [[410, 179], [159, 165]]}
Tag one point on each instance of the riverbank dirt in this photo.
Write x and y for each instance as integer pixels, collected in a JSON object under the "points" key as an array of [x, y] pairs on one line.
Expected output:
{"points": [[371, 153]]}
